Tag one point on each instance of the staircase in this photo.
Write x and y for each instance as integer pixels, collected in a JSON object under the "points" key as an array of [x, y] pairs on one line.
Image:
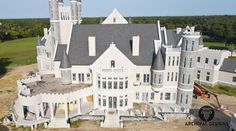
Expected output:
{"points": [[112, 120], [59, 123]]}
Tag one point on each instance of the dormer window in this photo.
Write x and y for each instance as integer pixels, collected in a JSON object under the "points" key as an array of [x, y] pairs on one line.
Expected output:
{"points": [[114, 20]]}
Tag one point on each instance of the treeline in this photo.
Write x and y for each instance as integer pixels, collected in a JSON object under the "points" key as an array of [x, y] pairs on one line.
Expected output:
{"points": [[213, 28], [11, 29]]}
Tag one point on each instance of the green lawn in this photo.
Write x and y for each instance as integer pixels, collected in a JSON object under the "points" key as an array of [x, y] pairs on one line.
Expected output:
{"points": [[222, 89], [19, 52]]}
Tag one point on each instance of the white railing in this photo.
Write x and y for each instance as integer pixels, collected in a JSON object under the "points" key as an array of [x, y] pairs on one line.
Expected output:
{"points": [[114, 70]]}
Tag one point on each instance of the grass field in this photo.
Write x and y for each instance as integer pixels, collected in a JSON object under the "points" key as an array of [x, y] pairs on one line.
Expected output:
{"points": [[222, 89], [19, 52]]}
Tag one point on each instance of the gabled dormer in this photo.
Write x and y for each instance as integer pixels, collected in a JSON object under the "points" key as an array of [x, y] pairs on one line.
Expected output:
{"points": [[115, 18]]}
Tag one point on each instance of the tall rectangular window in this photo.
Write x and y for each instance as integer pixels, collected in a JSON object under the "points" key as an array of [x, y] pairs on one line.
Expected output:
{"points": [[177, 63], [99, 84], [192, 46], [137, 95], [173, 61], [234, 79], [88, 76], [154, 78], [181, 98], [189, 76], [121, 85], [146, 78], [74, 76], [186, 99], [169, 60], [206, 60], [126, 84], [113, 64], [109, 85], [104, 102], [121, 102], [176, 76], [161, 96], [137, 77], [191, 62], [104, 84], [167, 96], [115, 84], [215, 62], [81, 77], [152, 96], [126, 101], [185, 60], [183, 78], [172, 76], [168, 76], [198, 59]]}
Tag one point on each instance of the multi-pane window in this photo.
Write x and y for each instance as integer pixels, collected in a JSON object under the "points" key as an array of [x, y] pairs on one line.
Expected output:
{"points": [[186, 99], [137, 77], [167, 96], [88, 76], [74, 77], [177, 63], [192, 46], [81, 77], [113, 64], [183, 79], [185, 60], [168, 76], [206, 60], [104, 102], [104, 84], [198, 74], [137, 95], [215, 62], [191, 62], [109, 85], [126, 101], [176, 76], [234, 79], [208, 76], [115, 84], [121, 85], [181, 98], [146, 78], [169, 60], [189, 76], [121, 102], [186, 45], [152, 96], [173, 61], [126, 84], [172, 76], [159, 79], [198, 59], [154, 78], [99, 84], [161, 96]]}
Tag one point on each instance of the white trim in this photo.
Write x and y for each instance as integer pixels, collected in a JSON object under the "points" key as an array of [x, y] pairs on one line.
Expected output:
{"points": [[68, 45]]}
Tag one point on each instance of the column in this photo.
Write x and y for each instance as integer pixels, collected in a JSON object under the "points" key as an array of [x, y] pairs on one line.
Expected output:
{"points": [[51, 110], [42, 110], [66, 110], [36, 112], [78, 106]]}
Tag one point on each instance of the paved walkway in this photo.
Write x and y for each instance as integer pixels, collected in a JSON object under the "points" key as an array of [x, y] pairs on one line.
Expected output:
{"points": [[111, 120]]}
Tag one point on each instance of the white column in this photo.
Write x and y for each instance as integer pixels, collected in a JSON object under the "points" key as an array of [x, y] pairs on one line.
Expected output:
{"points": [[51, 110], [42, 110], [37, 112], [66, 110], [78, 106]]}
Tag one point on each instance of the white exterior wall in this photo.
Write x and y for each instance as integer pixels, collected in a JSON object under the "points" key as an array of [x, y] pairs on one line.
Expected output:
{"points": [[227, 78]]}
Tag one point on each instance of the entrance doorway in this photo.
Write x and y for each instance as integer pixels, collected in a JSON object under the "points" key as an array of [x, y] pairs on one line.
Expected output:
{"points": [[112, 102]]}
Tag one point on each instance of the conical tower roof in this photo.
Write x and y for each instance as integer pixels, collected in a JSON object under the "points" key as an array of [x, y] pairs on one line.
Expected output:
{"points": [[158, 63], [65, 62]]}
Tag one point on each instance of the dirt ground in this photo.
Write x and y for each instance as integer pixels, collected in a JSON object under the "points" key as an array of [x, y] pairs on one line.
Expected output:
{"points": [[8, 92]]}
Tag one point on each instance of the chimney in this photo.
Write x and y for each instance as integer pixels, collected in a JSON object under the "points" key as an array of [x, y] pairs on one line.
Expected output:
{"points": [[178, 30], [136, 45], [92, 45], [192, 29]]}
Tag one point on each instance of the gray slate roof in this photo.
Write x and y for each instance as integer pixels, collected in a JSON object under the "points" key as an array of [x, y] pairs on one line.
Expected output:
{"points": [[120, 34], [158, 63], [65, 62], [228, 66]]}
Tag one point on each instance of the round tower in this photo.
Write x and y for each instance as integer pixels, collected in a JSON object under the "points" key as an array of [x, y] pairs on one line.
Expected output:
{"points": [[188, 62], [76, 11], [65, 68], [158, 68], [54, 19]]}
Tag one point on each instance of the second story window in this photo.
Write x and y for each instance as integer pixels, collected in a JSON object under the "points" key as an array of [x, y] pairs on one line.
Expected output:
{"points": [[234, 79], [169, 60], [206, 60], [198, 59], [113, 64], [146, 78], [215, 62], [137, 77]]}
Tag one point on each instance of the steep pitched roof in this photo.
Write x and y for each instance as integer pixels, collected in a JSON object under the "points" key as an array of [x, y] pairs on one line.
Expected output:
{"points": [[115, 18], [158, 63], [229, 66], [65, 62], [120, 34]]}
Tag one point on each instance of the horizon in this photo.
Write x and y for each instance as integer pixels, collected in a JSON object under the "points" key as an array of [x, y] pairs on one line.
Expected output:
{"points": [[150, 8]]}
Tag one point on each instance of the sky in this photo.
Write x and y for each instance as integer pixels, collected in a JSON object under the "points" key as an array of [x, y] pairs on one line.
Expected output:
{"points": [[98, 8]]}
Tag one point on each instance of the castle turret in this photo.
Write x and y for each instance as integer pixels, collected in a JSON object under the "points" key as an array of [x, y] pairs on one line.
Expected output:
{"points": [[76, 11], [187, 69], [158, 68], [54, 19], [65, 68]]}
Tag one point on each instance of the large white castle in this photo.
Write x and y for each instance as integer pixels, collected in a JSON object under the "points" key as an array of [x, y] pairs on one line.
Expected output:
{"points": [[103, 71]]}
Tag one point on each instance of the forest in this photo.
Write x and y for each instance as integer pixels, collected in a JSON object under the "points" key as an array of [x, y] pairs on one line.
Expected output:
{"points": [[213, 28]]}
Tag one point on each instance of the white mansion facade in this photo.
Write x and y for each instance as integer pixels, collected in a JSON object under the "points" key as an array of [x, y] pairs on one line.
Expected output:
{"points": [[87, 71]]}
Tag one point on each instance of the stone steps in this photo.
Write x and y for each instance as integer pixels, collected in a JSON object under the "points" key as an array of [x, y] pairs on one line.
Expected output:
{"points": [[59, 123]]}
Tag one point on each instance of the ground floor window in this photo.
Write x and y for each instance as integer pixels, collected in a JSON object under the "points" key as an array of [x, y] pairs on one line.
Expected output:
{"points": [[167, 96], [104, 102], [152, 96], [137, 95], [234, 79], [126, 101], [74, 77], [121, 102]]}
